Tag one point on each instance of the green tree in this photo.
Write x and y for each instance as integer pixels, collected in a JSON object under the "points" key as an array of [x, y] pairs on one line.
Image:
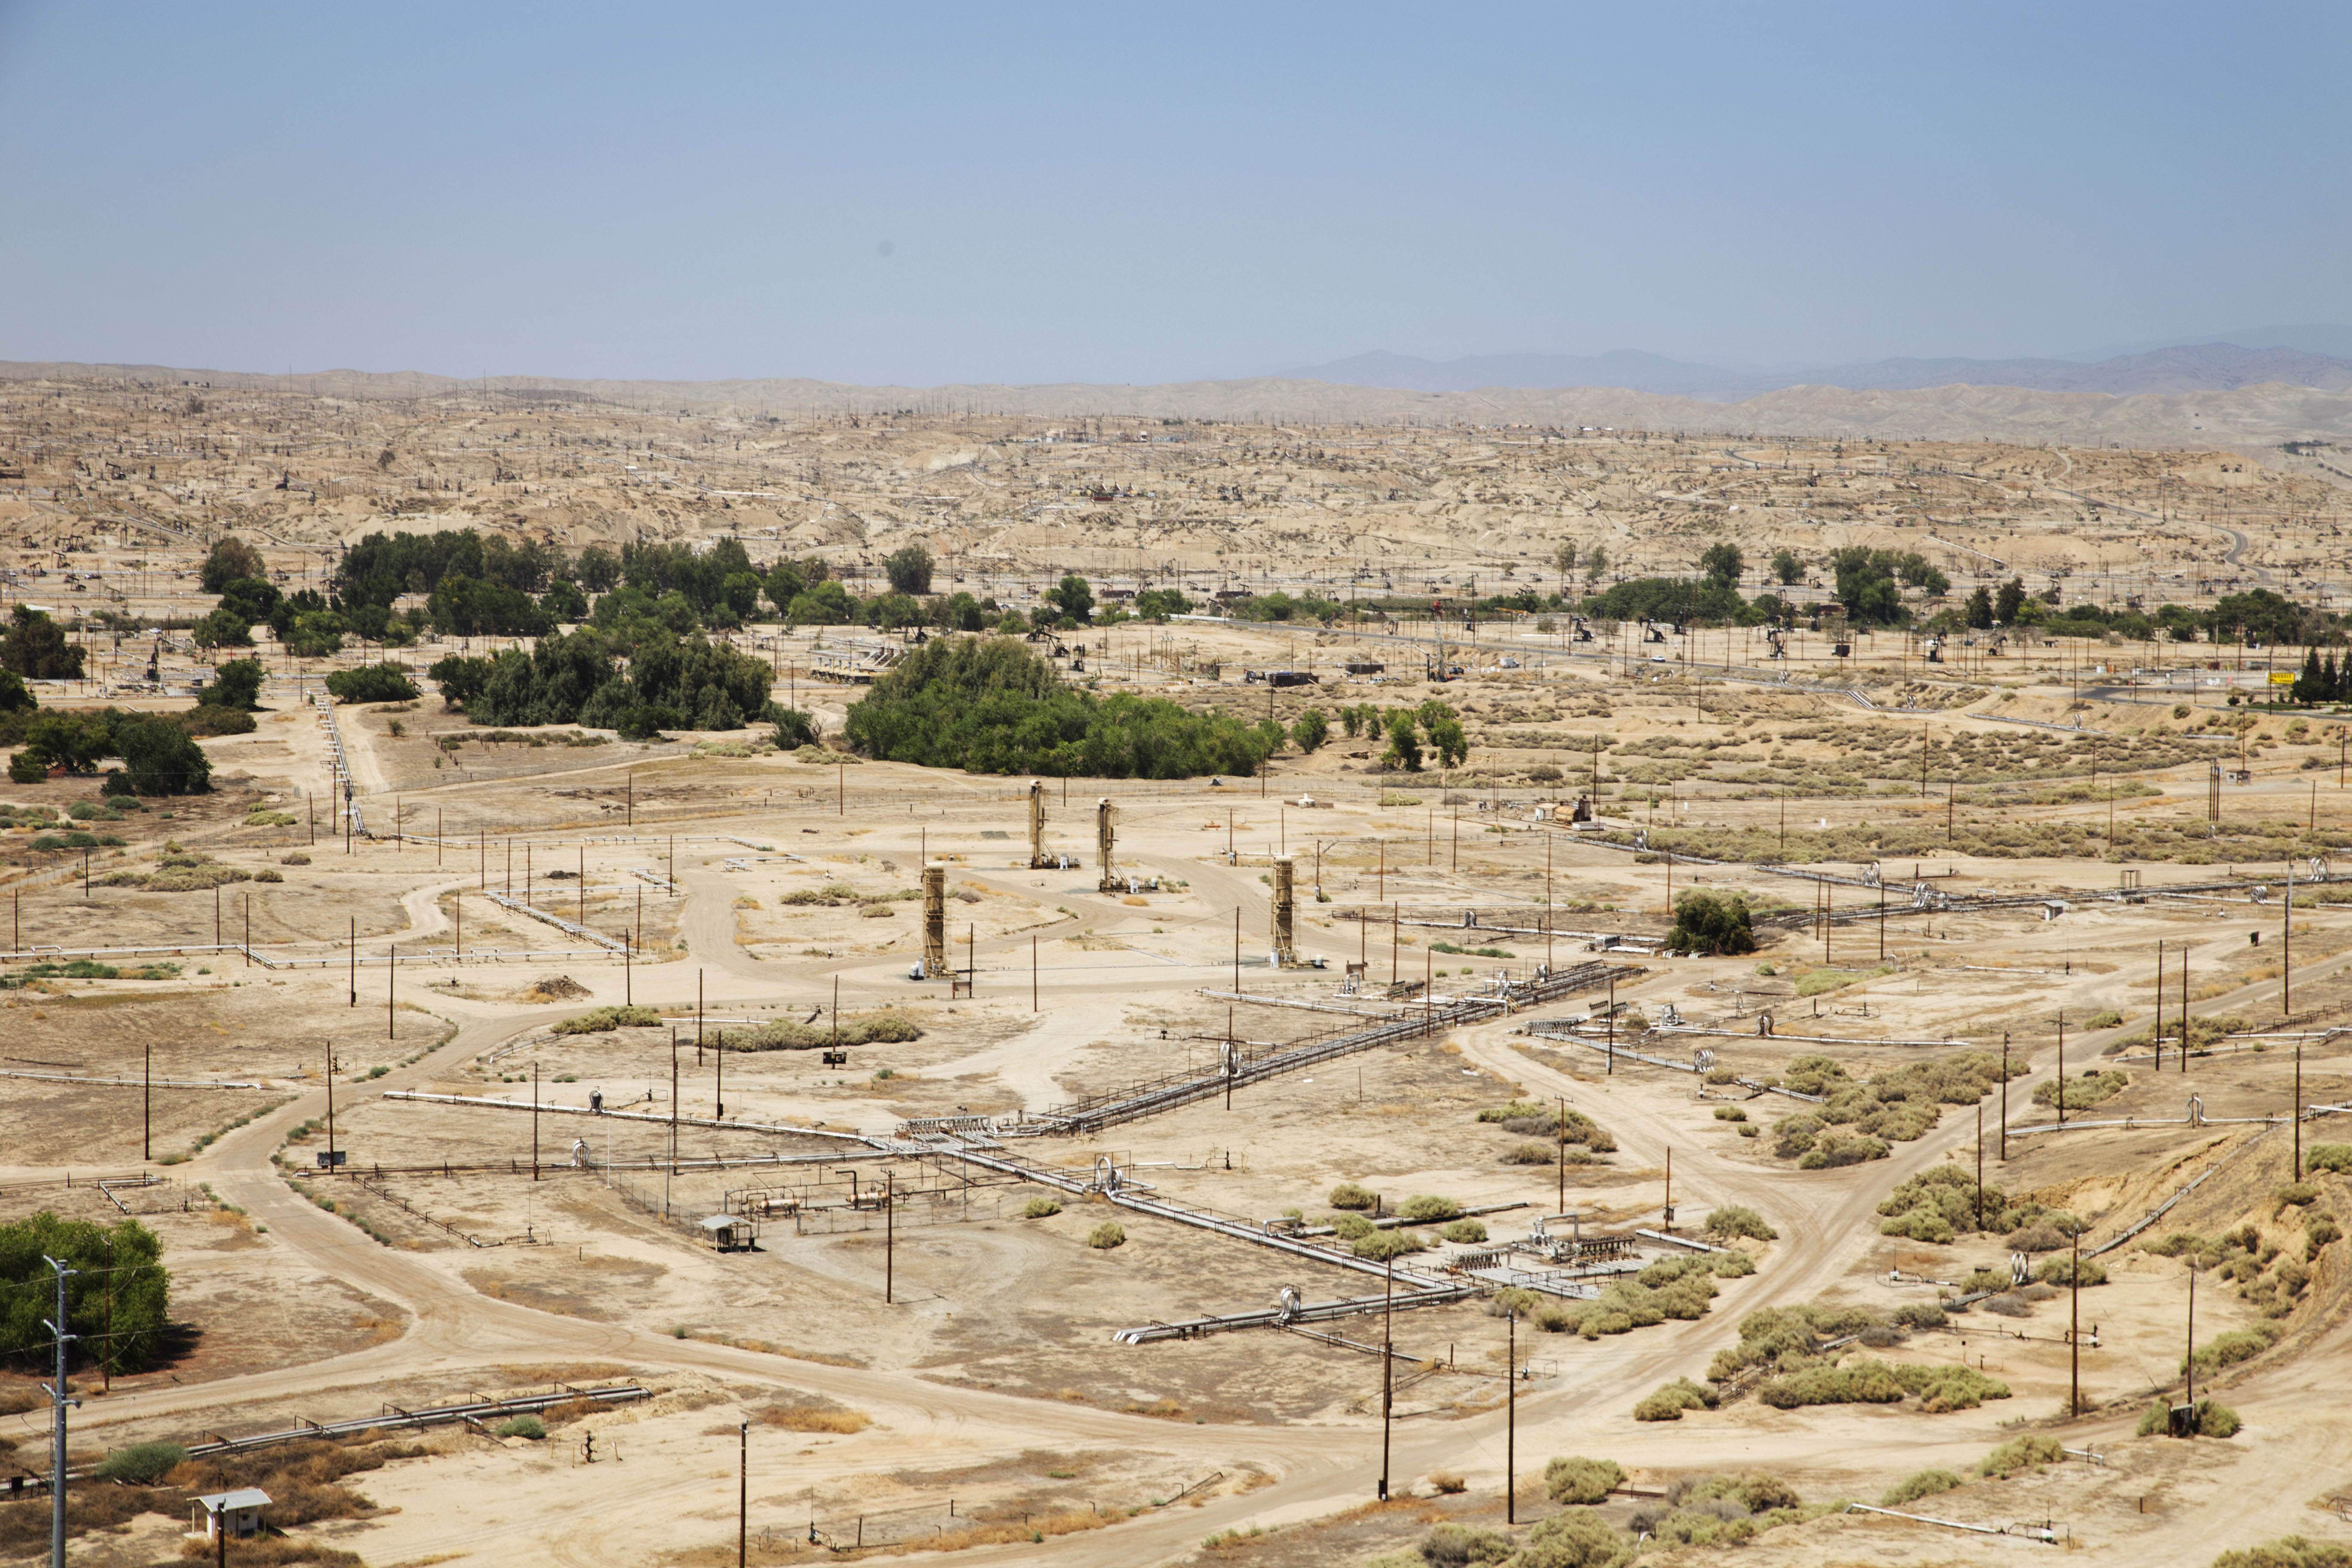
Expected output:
{"points": [[372, 683], [14, 697], [1158, 604], [826, 605], [251, 598], [1073, 597], [2011, 600], [316, 635], [794, 728], [74, 739], [1712, 923], [1403, 751], [1786, 568], [159, 757], [236, 684], [221, 629], [35, 647], [461, 678], [1311, 729], [1596, 561], [564, 601], [119, 1299], [2313, 685], [909, 569], [1445, 737], [1980, 611], [1722, 563], [1564, 557], [229, 559], [957, 612], [599, 569]]}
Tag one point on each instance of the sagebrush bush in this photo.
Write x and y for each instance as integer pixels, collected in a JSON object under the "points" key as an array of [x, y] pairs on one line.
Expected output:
{"points": [[1919, 1484], [1569, 1480]]}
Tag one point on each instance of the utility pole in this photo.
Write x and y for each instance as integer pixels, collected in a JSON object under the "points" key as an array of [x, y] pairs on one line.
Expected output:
{"points": [[534, 1120], [1511, 1420], [353, 975], [2004, 1097], [2075, 1330], [391, 979], [742, 1492], [1980, 1163], [1387, 1386], [2062, 1067], [889, 1237], [147, 1096], [60, 1396], [2156, 1032]]}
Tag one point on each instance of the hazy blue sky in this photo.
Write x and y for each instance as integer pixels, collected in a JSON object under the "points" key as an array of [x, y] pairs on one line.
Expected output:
{"points": [[1142, 194]]}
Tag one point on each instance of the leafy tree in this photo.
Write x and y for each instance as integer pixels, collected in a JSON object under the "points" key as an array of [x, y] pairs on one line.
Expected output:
{"points": [[2010, 601], [221, 629], [1158, 604], [119, 1299], [372, 683], [893, 610], [1786, 568], [1404, 744], [73, 739], [1596, 561], [2315, 685], [740, 592], [1722, 563], [1712, 923], [959, 612], [1311, 729], [1073, 597], [795, 728], [236, 684], [599, 569], [159, 756], [14, 697], [1565, 558], [318, 634], [35, 647], [461, 678], [229, 559], [909, 569], [826, 605], [564, 601], [251, 598], [1980, 611], [1445, 737]]}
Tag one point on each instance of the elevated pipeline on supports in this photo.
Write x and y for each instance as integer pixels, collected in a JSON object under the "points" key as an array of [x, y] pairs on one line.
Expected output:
{"points": [[1242, 1067]]}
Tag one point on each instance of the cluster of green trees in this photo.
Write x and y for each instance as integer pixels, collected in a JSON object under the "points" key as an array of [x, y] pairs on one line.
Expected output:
{"points": [[2258, 615], [1406, 728], [672, 682], [988, 705], [119, 1299], [159, 755]]}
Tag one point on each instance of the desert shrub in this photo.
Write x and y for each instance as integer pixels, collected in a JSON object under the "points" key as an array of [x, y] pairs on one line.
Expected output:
{"points": [[1919, 1315], [1755, 1491], [1668, 1404], [1922, 1483], [1737, 1219], [1350, 1195], [1447, 1483], [141, 1463], [1427, 1210], [1569, 1480], [2288, 1552], [2060, 1271], [2234, 1346], [1106, 1236], [1465, 1232], [1772, 1335], [1574, 1538], [1528, 1155], [2088, 1090], [2212, 1420], [2296, 1194], [2007, 1305], [887, 1026], [530, 1427], [808, 1414], [1940, 1387], [1384, 1245], [1352, 1227], [1938, 1204], [2336, 1157], [607, 1018], [1041, 1208], [2039, 1236], [2028, 1452], [1458, 1545]]}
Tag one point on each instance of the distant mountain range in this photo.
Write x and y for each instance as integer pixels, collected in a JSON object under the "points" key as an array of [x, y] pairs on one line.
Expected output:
{"points": [[2180, 368]]}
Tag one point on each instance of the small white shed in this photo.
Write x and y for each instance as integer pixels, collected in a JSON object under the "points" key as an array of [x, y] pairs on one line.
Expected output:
{"points": [[238, 1513]]}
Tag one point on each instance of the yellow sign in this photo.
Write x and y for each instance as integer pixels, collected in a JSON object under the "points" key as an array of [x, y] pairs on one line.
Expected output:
{"points": [[2281, 678]]}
